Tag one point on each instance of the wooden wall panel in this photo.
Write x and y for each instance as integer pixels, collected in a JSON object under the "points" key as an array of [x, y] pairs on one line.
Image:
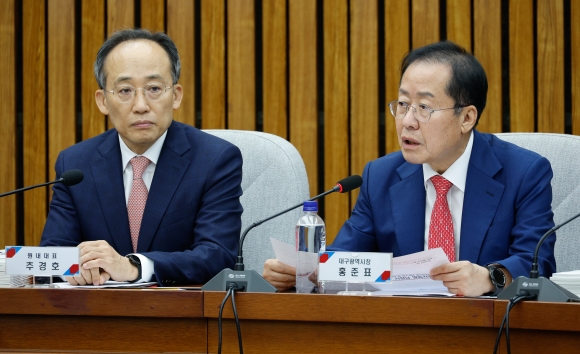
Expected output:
{"points": [[550, 32], [521, 65], [336, 118], [303, 86], [425, 22], [310, 71], [575, 52], [364, 80], [153, 15], [459, 22], [8, 121], [487, 48], [213, 110], [275, 67], [396, 46], [241, 76], [93, 36], [181, 29], [120, 15], [61, 79], [34, 112]]}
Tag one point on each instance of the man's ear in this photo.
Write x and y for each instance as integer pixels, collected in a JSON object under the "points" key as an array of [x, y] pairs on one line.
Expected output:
{"points": [[100, 100], [177, 95], [469, 118]]}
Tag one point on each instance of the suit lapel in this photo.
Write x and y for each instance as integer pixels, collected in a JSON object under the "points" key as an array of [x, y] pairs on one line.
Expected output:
{"points": [[170, 169], [408, 201], [107, 172], [481, 199]]}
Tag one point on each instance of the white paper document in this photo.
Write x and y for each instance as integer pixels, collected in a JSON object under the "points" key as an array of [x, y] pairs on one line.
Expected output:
{"points": [[108, 284], [409, 275]]}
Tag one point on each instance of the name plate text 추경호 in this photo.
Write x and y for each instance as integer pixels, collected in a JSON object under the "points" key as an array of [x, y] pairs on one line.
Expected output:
{"points": [[42, 261]]}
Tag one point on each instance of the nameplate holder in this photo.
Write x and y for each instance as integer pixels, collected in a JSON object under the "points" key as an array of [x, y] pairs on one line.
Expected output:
{"points": [[42, 262], [355, 267]]}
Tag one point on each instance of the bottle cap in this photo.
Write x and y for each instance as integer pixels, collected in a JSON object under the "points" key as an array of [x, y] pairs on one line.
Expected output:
{"points": [[310, 205]]}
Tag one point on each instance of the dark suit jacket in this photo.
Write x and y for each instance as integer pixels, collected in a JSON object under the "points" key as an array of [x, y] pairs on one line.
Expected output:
{"points": [[192, 219], [506, 208]]}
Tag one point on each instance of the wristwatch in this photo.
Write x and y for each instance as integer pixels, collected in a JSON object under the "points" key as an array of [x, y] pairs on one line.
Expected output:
{"points": [[137, 263], [497, 278]]}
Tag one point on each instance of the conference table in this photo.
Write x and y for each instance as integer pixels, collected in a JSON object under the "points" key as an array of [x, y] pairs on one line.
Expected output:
{"points": [[180, 321]]}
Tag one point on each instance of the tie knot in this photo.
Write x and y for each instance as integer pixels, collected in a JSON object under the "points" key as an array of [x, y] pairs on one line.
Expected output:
{"points": [[139, 164], [442, 186]]}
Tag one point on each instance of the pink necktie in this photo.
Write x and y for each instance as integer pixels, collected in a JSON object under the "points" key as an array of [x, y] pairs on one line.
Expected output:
{"points": [[137, 198], [441, 226]]}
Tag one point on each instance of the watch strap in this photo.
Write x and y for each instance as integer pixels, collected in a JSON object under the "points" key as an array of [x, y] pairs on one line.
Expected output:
{"points": [[498, 284], [136, 262]]}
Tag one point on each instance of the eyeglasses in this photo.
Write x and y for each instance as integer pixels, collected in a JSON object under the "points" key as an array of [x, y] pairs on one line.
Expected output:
{"points": [[421, 112], [126, 93]]}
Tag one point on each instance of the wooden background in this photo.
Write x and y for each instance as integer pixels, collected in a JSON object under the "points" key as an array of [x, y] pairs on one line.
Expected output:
{"points": [[316, 72]]}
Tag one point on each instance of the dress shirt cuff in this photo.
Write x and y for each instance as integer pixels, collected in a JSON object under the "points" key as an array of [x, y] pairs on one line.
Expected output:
{"points": [[147, 269]]}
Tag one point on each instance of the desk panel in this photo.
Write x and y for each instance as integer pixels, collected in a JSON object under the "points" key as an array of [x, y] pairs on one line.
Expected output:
{"points": [[348, 338], [541, 327], [102, 320], [310, 323]]}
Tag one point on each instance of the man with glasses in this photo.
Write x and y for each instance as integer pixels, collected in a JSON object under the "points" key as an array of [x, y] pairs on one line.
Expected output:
{"points": [[160, 199], [484, 201]]}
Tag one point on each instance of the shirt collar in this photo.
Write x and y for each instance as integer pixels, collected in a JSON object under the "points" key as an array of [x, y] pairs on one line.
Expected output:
{"points": [[457, 172], [152, 153]]}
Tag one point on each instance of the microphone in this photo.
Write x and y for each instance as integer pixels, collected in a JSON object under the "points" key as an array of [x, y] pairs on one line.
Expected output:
{"points": [[68, 178], [250, 280], [543, 288]]}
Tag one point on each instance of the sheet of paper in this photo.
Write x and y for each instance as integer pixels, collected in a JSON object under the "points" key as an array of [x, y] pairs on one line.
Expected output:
{"points": [[410, 275], [285, 253], [108, 284]]}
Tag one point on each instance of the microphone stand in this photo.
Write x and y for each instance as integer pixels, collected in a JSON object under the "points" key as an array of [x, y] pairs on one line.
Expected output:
{"points": [[31, 187], [240, 279], [240, 260], [543, 288]]}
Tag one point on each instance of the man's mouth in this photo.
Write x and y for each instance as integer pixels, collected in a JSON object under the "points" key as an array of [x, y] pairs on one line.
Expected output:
{"points": [[410, 142], [142, 124]]}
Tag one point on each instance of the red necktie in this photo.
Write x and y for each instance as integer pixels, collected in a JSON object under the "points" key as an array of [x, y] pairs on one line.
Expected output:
{"points": [[441, 226], [137, 198]]}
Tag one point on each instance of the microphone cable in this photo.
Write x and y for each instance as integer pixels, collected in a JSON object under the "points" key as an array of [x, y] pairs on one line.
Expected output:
{"points": [[232, 288], [522, 295]]}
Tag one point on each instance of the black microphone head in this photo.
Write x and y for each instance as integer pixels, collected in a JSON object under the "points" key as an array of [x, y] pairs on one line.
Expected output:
{"points": [[349, 183], [72, 177]]}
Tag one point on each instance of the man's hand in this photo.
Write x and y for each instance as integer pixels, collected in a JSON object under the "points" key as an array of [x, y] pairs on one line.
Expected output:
{"points": [[281, 275], [88, 276], [99, 258], [464, 278]]}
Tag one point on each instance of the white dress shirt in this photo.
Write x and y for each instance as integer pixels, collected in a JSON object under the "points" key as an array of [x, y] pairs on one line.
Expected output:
{"points": [[456, 174]]}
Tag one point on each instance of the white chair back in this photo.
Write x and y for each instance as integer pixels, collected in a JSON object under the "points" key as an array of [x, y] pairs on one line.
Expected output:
{"points": [[274, 178], [563, 152]]}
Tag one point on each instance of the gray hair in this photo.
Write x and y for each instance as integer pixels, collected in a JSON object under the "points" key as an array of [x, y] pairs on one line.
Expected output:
{"points": [[135, 34]]}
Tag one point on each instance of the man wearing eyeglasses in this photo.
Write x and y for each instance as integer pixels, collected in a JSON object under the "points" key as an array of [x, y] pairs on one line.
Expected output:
{"points": [[486, 202], [160, 199]]}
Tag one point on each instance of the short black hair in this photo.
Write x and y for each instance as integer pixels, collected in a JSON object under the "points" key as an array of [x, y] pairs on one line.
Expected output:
{"points": [[468, 82], [130, 35]]}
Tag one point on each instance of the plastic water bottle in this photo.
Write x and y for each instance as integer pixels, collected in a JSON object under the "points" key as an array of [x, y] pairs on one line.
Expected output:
{"points": [[310, 239]]}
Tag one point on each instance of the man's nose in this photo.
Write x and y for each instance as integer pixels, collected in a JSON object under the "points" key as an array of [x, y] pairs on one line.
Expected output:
{"points": [[409, 118], [140, 99]]}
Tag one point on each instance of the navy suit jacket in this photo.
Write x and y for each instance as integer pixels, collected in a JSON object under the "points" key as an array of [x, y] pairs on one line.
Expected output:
{"points": [[506, 208], [192, 219]]}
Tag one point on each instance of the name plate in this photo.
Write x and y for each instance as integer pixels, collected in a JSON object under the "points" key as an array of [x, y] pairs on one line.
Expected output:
{"points": [[24, 260], [361, 267]]}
